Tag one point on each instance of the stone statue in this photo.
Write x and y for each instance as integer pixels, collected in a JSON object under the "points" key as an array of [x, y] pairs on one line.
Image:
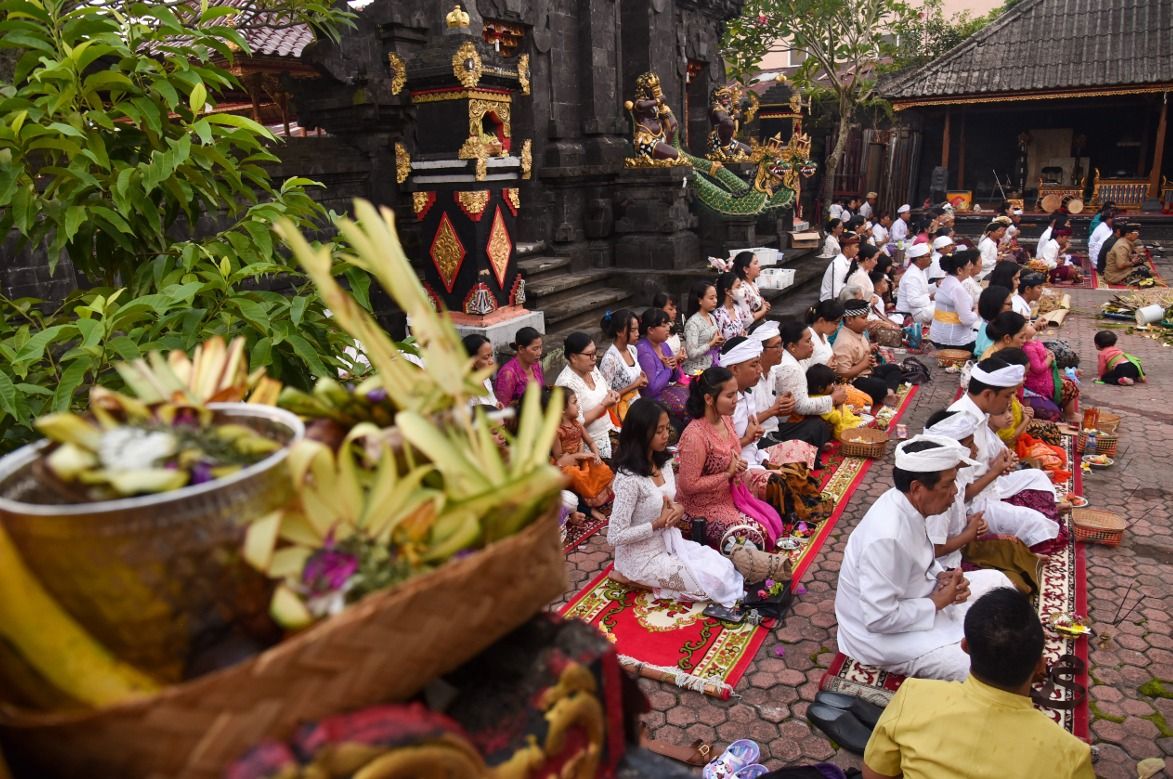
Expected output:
{"points": [[727, 112], [654, 136]]}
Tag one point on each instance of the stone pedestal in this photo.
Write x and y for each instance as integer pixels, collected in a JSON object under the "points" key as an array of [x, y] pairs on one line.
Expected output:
{"points": [[501, 326], [653, 223]]}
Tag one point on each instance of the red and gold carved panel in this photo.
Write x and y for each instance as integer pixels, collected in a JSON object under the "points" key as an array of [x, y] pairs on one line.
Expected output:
{"points": [[499, 248], [447, 252], [473, 202], [421, 203]]}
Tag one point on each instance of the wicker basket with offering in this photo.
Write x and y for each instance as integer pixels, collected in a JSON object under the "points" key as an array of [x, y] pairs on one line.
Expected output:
{"points": [[1096, 526], [953, 358], [863, 442]]}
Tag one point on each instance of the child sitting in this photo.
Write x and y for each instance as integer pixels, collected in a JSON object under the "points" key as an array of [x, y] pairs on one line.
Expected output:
{"points": [[819, 381], [1115, 365], [590, 478]]}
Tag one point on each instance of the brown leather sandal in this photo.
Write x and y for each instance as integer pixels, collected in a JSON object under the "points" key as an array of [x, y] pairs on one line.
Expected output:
{"points": [[699, 753]]}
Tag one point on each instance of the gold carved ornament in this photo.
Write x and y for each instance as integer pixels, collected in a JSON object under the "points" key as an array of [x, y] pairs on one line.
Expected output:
{"points": [[498, 247], [447, 252], [398, 72], [473, 202], [514, 196], [457, 18], [467, 66], [402, 163], [420, 202], [527, 158], [523, 73]]}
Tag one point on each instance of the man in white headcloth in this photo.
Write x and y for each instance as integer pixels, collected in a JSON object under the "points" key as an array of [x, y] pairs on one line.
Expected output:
{"points": [[768, 404], [867, 209], [992, 384], [1012, 229], [896, 606], [899, 229], [913, 296], [942, 246]]}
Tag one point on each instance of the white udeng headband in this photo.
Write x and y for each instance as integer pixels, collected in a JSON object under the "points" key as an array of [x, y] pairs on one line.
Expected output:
{"points": [[958, 426], [1010, 376], [743, 352], [947, 454], [919, 250], [766, 331]]}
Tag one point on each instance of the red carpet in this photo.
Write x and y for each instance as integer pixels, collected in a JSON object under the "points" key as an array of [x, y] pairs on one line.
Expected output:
{"points": [[668, 640], [577, 535]]}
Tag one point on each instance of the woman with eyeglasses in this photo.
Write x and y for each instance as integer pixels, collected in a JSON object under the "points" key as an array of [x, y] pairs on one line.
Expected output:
{"points": [[662, 366], [595, 397]]}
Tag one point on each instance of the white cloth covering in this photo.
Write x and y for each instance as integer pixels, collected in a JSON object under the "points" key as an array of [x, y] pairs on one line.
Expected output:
{"points": [[1019, 305], [988, 248], [745, 410], [1096, 241], [880, 236], [912, 296], [899, 231], [953, 299], [821, 351], [1049, 253], [600, 429], [764, 397], [663, 559], [1008, 376], [742, 352], [882, 604], [834, 278]]}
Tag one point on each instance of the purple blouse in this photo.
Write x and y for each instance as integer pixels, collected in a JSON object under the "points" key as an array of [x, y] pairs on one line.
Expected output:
{"points": [[512, 379], [659, 376]]}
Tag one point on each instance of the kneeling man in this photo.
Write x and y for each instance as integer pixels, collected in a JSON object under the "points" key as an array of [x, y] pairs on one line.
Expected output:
{"points": [[897, 607]]}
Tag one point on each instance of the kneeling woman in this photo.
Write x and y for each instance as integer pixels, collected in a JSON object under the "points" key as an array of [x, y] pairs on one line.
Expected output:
{"points": [[649, 548]]}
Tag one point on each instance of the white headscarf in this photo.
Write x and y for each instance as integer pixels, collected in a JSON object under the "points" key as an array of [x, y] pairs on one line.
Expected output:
{"points": [[743, 352], [956, 426], [947, 454], [1009, 376], [766, 331]]}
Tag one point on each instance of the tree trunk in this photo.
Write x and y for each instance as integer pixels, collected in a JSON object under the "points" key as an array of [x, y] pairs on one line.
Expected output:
{"points": [[832, 164]]}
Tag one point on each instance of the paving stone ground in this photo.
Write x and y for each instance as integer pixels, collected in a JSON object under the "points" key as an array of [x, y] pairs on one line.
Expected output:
{"points": [[1129, 720]]}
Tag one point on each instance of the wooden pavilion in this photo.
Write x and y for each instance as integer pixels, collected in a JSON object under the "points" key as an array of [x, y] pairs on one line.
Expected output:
{"points": [[1065, 97]]}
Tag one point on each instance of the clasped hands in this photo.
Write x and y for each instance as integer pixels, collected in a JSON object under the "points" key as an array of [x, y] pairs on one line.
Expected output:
{"points": [[952, 587], [671, 513]]}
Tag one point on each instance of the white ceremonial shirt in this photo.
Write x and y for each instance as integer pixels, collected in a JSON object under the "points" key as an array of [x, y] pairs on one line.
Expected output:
{"points": [[836, 212], [953, 314], [834, 278], [865, 210], [1019, 305], [941, 527], [821, 354], [764, 397], [1008, 236], [912, 296], [880, 237], [1099, 235], [790, 376], [1046, 236], [742, 412], [1049, 253], [889, 572], [899, 231], [989, 252]]}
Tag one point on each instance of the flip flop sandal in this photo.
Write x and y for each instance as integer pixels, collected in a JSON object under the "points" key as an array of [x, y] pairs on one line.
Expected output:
{"points": [[1061, 676], [841, 726], [865, 711], [736, 756], [752, 771], [699, 753]]}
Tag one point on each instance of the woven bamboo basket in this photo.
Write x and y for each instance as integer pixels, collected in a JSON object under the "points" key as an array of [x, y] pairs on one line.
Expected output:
{"points": [[1106, 443], [385, 648], [863, 442], [953, 358], [1096, 526]]}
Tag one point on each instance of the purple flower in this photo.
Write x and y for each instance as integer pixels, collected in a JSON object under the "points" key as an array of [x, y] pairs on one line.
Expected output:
{"points": [[779, 651], [201, 472], [377, 395], [328, 570], [769, 583], [801, 590]]}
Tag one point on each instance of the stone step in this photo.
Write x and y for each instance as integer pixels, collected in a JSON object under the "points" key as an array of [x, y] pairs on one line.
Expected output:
{"points": [[525, 249], [581, 307], [538, 266], [552, 290]]}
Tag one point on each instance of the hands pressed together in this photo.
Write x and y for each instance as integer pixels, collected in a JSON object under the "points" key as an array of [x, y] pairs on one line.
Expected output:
{"points": [[952, 587]]}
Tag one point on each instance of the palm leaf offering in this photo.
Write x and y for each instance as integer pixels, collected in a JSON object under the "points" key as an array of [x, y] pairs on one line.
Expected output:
{"points": [[392, 502]]}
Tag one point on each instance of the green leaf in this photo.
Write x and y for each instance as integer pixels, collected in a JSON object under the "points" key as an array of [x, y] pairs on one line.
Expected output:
{"points": [[253, 313], [261, 354], [7, 395], [297, 309], [306, 352], [75, 216], [71, 378], [34, 349], [198, 98]]}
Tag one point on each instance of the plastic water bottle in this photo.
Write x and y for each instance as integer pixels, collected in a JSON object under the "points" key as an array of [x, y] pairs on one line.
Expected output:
{"points": [[1090, 446]]}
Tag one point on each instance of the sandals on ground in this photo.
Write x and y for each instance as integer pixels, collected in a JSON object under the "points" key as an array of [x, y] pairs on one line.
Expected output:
{"points": [[1061, 676]]}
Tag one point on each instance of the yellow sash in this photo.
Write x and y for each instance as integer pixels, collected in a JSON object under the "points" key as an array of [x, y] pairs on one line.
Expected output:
{"points": [[946, 317]]}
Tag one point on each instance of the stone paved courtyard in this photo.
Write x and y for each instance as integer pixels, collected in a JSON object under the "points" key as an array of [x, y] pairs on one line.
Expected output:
{"points": [[1131, 664]]}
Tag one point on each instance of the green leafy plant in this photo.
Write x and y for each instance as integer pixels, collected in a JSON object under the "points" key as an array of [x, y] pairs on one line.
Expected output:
{"points": [[112, 154]]}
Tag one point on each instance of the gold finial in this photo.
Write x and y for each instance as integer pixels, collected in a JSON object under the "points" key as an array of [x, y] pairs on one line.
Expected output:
{"points": [[457, 18]]}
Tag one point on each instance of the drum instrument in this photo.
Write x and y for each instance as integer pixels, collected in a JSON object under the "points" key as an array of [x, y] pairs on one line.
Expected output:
{"points": [[1051, 203], [1073, 204]]}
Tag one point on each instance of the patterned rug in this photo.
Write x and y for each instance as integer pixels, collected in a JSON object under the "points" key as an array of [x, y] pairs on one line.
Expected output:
{"points": [[1063, 589], [839, 478], [1101, 283], [577, 535], [668, 640]]}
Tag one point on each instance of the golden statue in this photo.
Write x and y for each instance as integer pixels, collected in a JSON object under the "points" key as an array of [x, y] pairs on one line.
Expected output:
{"points": [[655, 125], [729, 109]]}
